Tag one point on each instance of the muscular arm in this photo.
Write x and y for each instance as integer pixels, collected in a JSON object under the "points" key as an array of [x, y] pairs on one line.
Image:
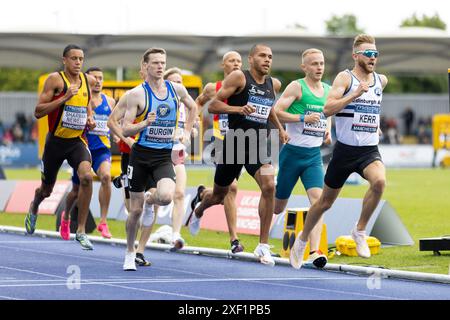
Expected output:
{"points": [[133, 100], [45, 105], [292, 93], [116, 115], [384, 80], [336, 100], [276, 85], [208, 93], [231, 84]]}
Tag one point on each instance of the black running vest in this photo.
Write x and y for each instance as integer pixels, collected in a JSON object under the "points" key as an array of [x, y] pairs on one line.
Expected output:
{"points": [[261, 96]]}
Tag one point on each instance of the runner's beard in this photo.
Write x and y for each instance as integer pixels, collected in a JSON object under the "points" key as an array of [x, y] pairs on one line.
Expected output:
{"points": [[365, 66]]}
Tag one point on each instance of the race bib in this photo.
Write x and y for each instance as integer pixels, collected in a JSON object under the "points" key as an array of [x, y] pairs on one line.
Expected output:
{"points": [[262, 105], [366, 118], [101, 125], [160, 134], [74, 118], [223, 124], [316, 129]]}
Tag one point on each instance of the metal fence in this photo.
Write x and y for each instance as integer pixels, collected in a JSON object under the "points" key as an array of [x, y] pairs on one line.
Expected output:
{"points": [[12, 103]]}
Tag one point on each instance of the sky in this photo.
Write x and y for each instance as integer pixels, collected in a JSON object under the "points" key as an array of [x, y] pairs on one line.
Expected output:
{"points": [[209, 17]]}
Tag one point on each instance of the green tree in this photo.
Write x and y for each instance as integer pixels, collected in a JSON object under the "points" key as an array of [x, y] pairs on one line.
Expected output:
{"points": [[426, 21], [19, 79], [345, 25]]}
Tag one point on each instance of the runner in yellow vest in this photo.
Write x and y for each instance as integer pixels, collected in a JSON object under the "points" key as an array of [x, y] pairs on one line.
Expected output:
{"points": [[65, 100]]}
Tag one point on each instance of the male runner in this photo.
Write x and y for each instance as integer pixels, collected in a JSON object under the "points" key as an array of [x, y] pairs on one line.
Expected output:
{"points": [[155, 107], [65, 100], [250, 96], [125, 144], [231, 61], [300, 107], [355, 100], [100, 147]]}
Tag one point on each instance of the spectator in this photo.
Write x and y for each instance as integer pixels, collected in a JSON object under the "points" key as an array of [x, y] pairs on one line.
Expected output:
{"points": [[408, 118], [17, 133], [424, 131], [392, 134]]}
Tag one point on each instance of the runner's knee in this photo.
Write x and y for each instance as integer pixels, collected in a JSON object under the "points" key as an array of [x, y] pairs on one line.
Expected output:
{"points": [[165, 198], [105, 179], [178, 196], [268, 189], [45, 191], [233, 189], [378, 185], [85, 179]]}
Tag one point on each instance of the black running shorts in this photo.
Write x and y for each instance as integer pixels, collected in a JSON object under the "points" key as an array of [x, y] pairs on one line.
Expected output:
{"points": [[348, 159], [56, 150], [245, 153], [147, 166]]}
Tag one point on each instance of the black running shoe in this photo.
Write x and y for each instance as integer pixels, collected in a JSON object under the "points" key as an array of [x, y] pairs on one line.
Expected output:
{"points": [[197, 198], [117, 182], [140, 260], [236, 246], [194, 202]]}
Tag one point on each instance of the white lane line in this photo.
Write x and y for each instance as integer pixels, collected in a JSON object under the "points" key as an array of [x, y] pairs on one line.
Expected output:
{"points": [[9, 298], [104, 260], [95, 283], [165, 279], [32, 242], [329, 290]]}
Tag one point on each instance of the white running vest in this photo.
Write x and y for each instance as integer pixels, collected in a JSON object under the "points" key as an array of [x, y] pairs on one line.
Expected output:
{"points": [[357, 124]]}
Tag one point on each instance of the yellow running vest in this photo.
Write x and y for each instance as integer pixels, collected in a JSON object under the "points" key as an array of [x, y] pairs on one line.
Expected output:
{"points": [[72, 116]]}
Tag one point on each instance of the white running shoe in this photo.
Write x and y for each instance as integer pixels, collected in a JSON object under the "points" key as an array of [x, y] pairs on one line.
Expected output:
{"points": [[362, 248], [297, 252], [194, 223], [262, 251], [129, 263], [148, 215], [317, 259]]}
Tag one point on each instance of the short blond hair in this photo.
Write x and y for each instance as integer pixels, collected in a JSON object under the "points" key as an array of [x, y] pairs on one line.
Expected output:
{"points": [[362, 38], [172, 71], [310, 51]]}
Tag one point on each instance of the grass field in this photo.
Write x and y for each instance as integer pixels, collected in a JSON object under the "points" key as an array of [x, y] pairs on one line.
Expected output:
{"points": [[421, 197]]}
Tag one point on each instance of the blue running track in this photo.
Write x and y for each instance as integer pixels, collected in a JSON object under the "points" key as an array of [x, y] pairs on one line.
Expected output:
{"points": [[33, 267]]}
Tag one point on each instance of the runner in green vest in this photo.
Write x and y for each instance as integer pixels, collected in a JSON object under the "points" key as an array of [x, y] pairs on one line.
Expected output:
{"points": [[300, 107]]}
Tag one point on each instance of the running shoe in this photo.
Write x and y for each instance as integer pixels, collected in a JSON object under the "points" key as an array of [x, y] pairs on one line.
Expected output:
{"points": [[129, 264], [297, 252], [362, 248], [236, 246], [117, 182], [82, 238], [194, 222], [103, 228], [148, 215], [197, 198], [140, 261], [318, 259], [177, 242], [64, 228], [262, 251], [30, 221]]}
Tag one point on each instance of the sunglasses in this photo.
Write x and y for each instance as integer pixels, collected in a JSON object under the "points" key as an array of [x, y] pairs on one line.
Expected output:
{"points": [[368, 53]]}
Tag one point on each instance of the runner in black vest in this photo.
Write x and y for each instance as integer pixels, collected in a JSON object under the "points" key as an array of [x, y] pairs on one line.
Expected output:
{"points": [[250, 96]]}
